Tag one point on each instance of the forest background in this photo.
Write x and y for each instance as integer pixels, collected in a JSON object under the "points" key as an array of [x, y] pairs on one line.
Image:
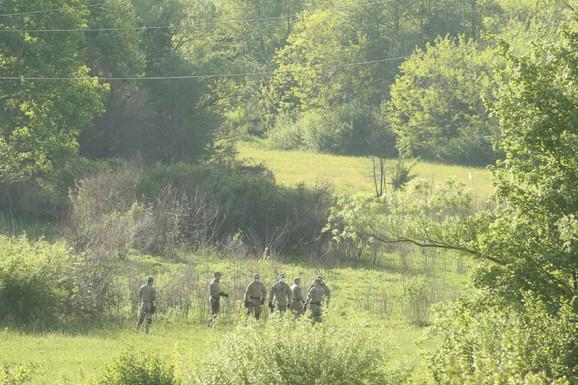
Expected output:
{"points": [[164, 137]]}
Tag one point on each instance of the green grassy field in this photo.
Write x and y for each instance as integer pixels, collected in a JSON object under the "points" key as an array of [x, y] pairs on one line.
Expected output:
{"points": [[63, 359], [378, 294], [394, 296], [58, 358], [353, 174]]}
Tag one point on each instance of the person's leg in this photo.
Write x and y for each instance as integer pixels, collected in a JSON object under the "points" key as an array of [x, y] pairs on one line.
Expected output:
{"points": [[149, 318], [258, 309], [141, 319], [215, 307], [250, 308], [316, 313]]}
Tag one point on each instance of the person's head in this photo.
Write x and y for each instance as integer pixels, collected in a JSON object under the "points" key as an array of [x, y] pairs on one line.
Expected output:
{"points": [[150, 280], [281, 277], [317, 281], [256, 277], [217, 275], [320, 278], [297, 281]]}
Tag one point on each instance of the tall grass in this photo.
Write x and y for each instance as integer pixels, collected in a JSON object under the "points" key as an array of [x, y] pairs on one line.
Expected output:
{"points": [[394, 297]]}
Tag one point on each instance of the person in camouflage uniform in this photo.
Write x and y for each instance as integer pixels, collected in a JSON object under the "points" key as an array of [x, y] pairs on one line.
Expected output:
{"points": [[326, 290], [297, 299], [148, 295], [280, 295], [255, 296], [215, 294], [314, 300]]}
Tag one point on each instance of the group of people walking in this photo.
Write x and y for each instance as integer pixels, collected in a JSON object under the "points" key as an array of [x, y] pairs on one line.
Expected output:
{"points": [[282, 297]]}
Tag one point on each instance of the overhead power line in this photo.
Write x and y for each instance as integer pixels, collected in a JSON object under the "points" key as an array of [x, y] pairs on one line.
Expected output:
{"points": [[144, 28], [49, 10], [207, 76]]}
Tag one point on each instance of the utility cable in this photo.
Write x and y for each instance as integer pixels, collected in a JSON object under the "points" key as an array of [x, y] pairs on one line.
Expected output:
{"points": [[207, 76], [49, 10], [144, 28]]}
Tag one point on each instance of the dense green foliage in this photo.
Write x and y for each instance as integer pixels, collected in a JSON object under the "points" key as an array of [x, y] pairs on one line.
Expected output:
{"points": [[84, 85], [131, 369], [40, 121], [437, 106], [533, 233], [489, 342], [530, 238], [167, 208], [308, 355], [32, 286], [325, 76]]}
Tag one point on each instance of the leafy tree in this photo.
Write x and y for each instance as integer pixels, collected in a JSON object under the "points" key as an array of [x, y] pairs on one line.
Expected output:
{"points": [[530, 241], [157, 120], [40, 120], [437, 106], [238, 37], [535, 230], [486, 341], [308, 74]]}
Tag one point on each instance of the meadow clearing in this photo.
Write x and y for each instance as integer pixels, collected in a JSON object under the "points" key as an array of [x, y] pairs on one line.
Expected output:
{"points": [[350, 174], [394, 295]]}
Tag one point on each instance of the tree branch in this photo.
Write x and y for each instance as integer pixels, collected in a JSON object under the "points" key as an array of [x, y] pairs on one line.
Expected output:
{"points": [[438, 245]]}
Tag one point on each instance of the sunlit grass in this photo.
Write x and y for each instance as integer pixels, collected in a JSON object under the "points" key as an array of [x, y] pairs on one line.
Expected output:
{"points": [[359, 288], [350, 174], [375, 293]]}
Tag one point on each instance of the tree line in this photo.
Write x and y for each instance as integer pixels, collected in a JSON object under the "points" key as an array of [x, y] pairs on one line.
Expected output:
{"points": [[384, 77]]}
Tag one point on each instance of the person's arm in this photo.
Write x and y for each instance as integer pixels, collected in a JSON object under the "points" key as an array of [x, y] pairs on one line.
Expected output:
{"points": [[271, 295], [153, 294], [263, 293], [140, 292], [247, 290], [308, 300], [309, 296], [327, 295], [288, 294]]}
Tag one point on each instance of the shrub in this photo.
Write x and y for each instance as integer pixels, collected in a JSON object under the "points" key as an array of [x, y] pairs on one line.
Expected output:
{"points": [[31, 280], [489, 343], [347, 129], [292, 352], [132, 369], [177, 206], [15, 374], [98, 220], [417, 300], [45, 199], [287, 135], [207, 204]]}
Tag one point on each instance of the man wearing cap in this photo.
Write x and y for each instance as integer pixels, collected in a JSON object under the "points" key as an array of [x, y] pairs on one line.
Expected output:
{"points": [[255, 296], [215, 294], [148, 295], [314, 297], [280, 295], [297, 299], [326, 291]]}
